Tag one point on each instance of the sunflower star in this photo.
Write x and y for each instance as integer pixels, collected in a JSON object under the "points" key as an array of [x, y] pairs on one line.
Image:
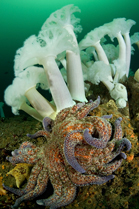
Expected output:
{"points": [[79, 151]]}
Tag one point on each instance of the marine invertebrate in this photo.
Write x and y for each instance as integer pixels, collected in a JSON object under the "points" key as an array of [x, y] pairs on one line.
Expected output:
{"points": [[28, 80], [56, 38], [117, 28], [43, 50], [78, 152], [111, 80], [65, 18]]}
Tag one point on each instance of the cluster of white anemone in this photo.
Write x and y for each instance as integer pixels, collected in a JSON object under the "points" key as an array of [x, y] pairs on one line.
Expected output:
{"points": [[56, 42]]}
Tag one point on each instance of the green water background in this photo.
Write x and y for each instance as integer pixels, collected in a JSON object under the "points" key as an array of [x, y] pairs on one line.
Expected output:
{"points": [[21, 18]]}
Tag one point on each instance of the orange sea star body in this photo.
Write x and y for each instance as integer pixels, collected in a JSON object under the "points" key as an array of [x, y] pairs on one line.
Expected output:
{"points": [[79, 151]]}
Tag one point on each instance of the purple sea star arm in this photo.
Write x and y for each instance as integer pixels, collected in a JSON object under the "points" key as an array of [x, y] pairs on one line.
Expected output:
{"points": [[38, 190], [69, 146], [57, 186], [77, 107], [124, 142], [67, 197], [46, 134], [69, 190], [84, 110], [23, 149], [64, 193], [81, 180], [47, 124], [25, 154], [27, 145], [118, 129], [54, 176], [103, 128], [114, 149], [112, 166], [107, 116], [22, 159], [64, 190], [30, 184]]}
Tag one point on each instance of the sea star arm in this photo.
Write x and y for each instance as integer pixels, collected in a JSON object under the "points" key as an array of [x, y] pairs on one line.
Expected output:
{"points": [[108, 160], [77, 107], [123, 142], [67, 197], [109, 168], [38, 190], [63, 193], [85, 109], [64, 190], [70, 142], [27, 144], [68, 191], [24, 147], [114, 148], [118, 129], [107, 116], [30, 184], [47, 124], [53, 165], [46, 134], [57, 186], [81, 180], [27, 153], [103, 128], [57, 200]]}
